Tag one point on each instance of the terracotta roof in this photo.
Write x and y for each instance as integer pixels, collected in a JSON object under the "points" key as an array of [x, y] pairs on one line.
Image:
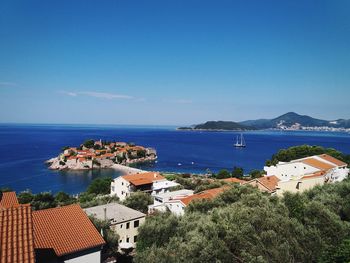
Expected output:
{"points": [[16, 235], [233, 180], [314, 175], [207, 194], [332, 160], [65, 229], [270, 182], [143, 178], [317, 164], [8, 199]]}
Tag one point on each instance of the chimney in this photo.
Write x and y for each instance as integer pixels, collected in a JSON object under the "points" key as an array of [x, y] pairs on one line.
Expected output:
{"points": [[105, 213]]}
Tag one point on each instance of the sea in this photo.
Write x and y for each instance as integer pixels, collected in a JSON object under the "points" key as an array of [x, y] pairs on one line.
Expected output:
{"points": [[25, 148]]}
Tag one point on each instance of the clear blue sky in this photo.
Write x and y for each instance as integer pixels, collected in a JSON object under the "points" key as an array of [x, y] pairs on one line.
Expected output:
{"points": [[172, 62]]}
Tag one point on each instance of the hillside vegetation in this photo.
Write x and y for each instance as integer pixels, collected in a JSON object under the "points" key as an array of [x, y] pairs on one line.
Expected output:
{"points": [[245, 225]]}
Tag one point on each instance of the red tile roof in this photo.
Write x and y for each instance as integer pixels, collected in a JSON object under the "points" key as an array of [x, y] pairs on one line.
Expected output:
{"points": [[8, 199], [16, 234], [143, 178], [233, 180], [332, 160], [65, 229], [207, 194], [268, 182], [314, 175], [317, 164]]}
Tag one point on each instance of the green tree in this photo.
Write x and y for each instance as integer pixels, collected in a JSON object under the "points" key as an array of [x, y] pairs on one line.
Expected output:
{"points": [[256, 173], [89, 143], [61, 198], [100, 185], [237, 172], [43, 201], [139, 201], [111, 238], [223, 174], [25, 197]]}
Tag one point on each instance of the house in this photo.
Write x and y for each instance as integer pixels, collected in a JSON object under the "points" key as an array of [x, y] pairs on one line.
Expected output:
{"points": [[149, 182], [177, 206], [160, 200], [266, 183], [124, 221], [65, 234], [305, 173], [299, 185], [335, 170], [16, 228]]}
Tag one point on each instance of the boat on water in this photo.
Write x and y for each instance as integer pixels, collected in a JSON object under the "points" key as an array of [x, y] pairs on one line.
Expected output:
{"points": [[240, 142]]}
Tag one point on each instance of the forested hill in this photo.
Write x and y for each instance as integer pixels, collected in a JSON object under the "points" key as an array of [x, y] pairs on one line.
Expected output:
{"points": [[292, 118], [219, 125]]}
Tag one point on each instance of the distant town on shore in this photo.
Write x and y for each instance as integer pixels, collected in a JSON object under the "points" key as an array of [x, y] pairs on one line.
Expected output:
{"points": [[288, 121]]}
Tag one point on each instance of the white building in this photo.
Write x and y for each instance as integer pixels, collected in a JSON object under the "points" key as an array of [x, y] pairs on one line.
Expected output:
{"points": [[177, 206], [334, 169], [124, 221], [303, 174], [162, 200], [150, 182]]}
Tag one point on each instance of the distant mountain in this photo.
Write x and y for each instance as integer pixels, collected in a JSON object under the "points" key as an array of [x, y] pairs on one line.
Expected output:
{"points": [[219, 125], [292, 118], [288, 120]]}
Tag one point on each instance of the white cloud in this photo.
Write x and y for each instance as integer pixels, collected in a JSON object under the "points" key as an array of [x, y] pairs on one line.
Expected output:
{"points": [[8, 84], [179, 101], [101, 95], [104, 95]]}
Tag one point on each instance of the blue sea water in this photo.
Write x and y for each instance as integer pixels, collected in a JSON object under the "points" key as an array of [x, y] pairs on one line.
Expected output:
{"points": [[24, 148]]}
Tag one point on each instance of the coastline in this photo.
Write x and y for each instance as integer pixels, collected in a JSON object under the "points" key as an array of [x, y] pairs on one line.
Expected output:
{"points": [[127, 169]]}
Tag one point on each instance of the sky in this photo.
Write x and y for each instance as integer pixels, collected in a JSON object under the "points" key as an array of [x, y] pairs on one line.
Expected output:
{"points": [[172, 62]]}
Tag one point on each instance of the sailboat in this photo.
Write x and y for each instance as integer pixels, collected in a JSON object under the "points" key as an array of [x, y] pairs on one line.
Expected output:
{"points": [[240, 141]]}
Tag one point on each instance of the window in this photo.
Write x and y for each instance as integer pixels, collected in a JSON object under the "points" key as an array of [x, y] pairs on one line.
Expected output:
{"points": [[127, 240], [298, 185], [136, 223], [122, 183], [128, 225], [120, 241], [135, 239], [121, 225], [112, 188], [122, 192]]}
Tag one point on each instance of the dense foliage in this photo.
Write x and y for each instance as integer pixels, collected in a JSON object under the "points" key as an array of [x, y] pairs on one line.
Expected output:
{"points": [[245, 225], [139, 201], [296, 152], [111, 238], [100, 185], [96, 194]]}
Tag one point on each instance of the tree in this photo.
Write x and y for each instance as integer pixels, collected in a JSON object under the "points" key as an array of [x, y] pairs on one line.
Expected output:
{"points": [[43, 201], [25, 197], [237, 172], [61, 198], [223, 174], [100, 185], [89, 143], [256, 174], [111, 238], [139, 201]]}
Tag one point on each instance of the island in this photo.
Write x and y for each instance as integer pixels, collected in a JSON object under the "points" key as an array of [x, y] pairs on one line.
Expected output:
{"points": [[101, 154], [219, 126]]}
